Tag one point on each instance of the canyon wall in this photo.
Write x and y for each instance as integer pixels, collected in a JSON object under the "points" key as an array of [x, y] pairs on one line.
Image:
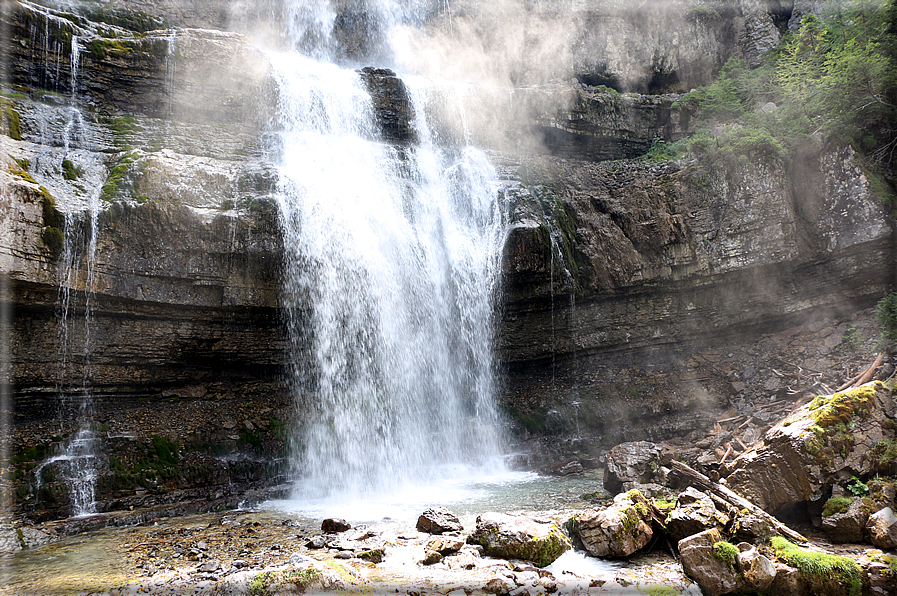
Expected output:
{"points": [[612, 265]]}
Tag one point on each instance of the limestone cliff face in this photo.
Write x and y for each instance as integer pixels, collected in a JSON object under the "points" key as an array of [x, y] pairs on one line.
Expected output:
{"points": [[609, 265]]}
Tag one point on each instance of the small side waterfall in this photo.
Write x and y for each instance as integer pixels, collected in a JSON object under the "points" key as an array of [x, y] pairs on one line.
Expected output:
{"points": [[391, 271], [77, 463]]}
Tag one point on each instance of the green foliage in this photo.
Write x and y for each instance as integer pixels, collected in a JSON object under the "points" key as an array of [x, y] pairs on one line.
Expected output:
{"points": [[823, 572], [101, 47], [23, 162], [831, 81], [858, 487], [259, 584], [836, 505], [725, 551], [886, 317]]}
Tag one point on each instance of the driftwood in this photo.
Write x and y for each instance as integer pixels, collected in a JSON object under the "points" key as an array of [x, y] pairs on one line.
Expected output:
{"points": [[863, 376], [703, 482]]}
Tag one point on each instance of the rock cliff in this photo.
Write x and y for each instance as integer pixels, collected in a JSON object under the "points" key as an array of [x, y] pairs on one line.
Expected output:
{"points": [[610, 267]]}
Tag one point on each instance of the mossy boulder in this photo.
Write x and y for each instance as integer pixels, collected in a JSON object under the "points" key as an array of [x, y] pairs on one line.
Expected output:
{"points": [[712, 566], [615, 531], [800, 458], [509, 536]]}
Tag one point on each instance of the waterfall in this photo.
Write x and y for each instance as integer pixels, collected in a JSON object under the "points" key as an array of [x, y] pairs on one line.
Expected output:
{"points": [[391, 270], [78, 460]]}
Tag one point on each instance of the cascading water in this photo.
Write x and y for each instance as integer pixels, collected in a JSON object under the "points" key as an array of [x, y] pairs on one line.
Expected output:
{"points": [[391, 270], [77, 463]]}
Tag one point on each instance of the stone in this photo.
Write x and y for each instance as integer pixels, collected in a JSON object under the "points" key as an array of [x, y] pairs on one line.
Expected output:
{"points": [[517, 536], [445, 544], [882, 528], [239, 563], [757, 571], [316, 542], [715, 576], [209, 566], [694, 513], [615, 531], [630, 462], [498, 586], [796, 463], [787, 582], [438, 520], [431, 557], [848, 526], [335, 526]]}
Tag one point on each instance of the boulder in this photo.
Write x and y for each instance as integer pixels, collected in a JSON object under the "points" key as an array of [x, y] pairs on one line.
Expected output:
{"points": [[694, 513], [511, 536], [616, 531], [631, 462], [334, 526], [757, 571], [847, 526], [714, 574], [786, 582], [882, 528], [438, 520], [800, 458], [445, 545]]}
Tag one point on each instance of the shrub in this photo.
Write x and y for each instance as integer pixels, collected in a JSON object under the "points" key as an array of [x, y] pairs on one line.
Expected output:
{"points": [[886, 317]]}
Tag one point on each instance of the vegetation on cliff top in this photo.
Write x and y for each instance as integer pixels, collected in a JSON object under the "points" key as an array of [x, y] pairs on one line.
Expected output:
{"points": [[833, 82]]}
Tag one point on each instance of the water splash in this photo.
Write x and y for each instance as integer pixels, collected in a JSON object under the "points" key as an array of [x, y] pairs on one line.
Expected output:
{"points": [[391, 271]]}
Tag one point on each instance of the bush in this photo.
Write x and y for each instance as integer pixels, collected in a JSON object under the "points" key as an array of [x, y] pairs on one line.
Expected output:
{"points": [[886, 317]]}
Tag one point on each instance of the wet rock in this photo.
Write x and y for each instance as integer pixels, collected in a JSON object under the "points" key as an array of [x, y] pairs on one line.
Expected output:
{"points": [[316, 542], [511, 536], [849, 525], [880, 580], [565, 468], [800, 458], [374, 555], [438, 520], [714, 575], [757, 571], [882, 528], [498, 586], [209, 566], [445, 544], [750, 527], [786, 582], [616, 531], [335, 526], [631, 462], [694, 513], [431, 557], [239, 563]]}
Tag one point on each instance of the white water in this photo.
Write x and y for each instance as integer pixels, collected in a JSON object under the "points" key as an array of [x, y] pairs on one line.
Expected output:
{"points": [[392, 260], [78, 461]]}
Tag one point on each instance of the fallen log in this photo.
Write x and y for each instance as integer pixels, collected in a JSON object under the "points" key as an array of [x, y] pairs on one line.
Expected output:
{"points": [[703, 482], [864, 376]]}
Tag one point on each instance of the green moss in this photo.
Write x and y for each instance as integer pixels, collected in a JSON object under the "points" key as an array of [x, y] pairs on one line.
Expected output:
{"points": [[822, 572], [166, 451], [10, 116], [836, 505], [116, 175], [53, 240], [24, 163], [843, 406], [726, 552], [69, 171], [659, 590], [101, 47]]}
